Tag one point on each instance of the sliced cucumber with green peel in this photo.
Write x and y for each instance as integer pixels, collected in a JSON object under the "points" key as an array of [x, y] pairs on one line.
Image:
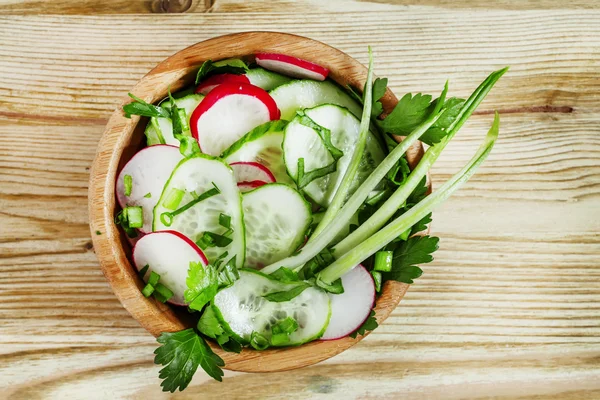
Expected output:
{"points": [[300, 94], [192, 178], [160, 130], [242, 310], [262, 145], [301, 141], [265, 79], [276, 218]]}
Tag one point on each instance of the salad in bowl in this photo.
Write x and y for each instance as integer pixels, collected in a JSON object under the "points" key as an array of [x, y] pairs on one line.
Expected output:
{"points": [[272, 205]]}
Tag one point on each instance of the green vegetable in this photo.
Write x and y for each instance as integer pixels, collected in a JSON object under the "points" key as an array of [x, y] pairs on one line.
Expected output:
{"points": [[164, 292], [140, 107], [334, 287], [148, 290], [377, 280], [287, 326], [209, 325], [383, 261], [167, 217], [369, 325], [258, 341], [231, 66], [287, 295], [98, 233], [135, 216], [127, 183], [417, 250], [285, 275], [225, 220], [202, 285], [143, 271], [148, 195], [173, 198], [181, 353], [211, 239], [229, 344], [228, 273], [153, 279], [188, 145]]}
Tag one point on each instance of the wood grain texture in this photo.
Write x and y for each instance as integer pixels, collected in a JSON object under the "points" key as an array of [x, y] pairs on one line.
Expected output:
{"points": [[508, 310], [96, 7]]}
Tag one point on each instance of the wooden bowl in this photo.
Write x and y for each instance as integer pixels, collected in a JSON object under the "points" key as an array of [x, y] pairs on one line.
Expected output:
{"points": [[123, 137]]}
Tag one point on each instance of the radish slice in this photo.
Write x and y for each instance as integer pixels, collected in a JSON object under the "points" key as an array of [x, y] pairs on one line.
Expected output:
{"points": [[248, 186], [228, 112], [213, 81], [292, 66], [149, 168], [251, 171], [350, 309], [168, 253]]}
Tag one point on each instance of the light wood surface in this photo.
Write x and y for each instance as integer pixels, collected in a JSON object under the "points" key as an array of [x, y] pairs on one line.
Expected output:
{"points": [[508, 310], [124, 136]]}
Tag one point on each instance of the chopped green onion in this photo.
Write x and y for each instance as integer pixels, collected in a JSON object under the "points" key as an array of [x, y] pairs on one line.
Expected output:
{"points": [[166, 218], [164, 291], [131, 233], [148, 290], [135, 216], [287, 326], [143, 271], [258, 341], [211, 239], [334, 287], [98, 233], [173, 199], [148, 195], [153, 279], [280, 339], [128, 184], [404, 235], [377, 279], [159, 297], [209, 193], [225, 220], [383, 261], [205, 241]]}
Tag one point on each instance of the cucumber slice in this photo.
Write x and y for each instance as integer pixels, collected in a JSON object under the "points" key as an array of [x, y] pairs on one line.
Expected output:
{"points": [[161, 129], [196, 175], [242, 310], [301, 94], [265, 79], [262, 145], [303, 142], [276, 219]]}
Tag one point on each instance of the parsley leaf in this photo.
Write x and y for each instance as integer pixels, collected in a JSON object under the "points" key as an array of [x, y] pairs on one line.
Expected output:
{"points": [[202, 284], [379, 88], [369, 325], [419, 193], [287, 295], [439, 129], [180, 353], [421, 225], [407, 115], [229, 344], [407, 255], [140, 107], [209, 325]]}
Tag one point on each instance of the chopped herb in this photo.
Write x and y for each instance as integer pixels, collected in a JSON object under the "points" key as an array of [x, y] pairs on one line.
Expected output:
{"points": [[334, 287], [188, 145], [135, 216], [153, 279], [127, 184], [377, 279], [285, 275], [287, 326], [417, 250], [231, 66], [209, 325], [287, 295], [164, 291], [173, 199], [225, 220], [369, 325], [167, 217], [202, 284], [143, 271], [229, 273], [140, 107], [148, 195], [229, 344], [383, 261], [181, 353], [98, 233], [258, 341], [148, 290]]}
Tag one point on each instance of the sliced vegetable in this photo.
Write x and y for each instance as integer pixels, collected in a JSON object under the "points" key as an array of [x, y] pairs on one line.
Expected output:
{"points": [[262, 145], [168, 255], [213, 81], [248, 186], [242, 310], [350, 309], [209, 190], [301, 94], [162, 128], [265, 79], [276, 219], [292, 66], [227, 113], [248, 171], [302, 140], [149, 170]]}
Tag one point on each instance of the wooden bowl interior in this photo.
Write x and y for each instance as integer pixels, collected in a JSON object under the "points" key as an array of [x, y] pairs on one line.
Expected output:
{"points": [[124, 137]]}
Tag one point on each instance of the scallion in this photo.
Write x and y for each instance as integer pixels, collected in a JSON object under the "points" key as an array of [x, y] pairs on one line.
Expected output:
{"points": [[383, 261], [148, 290], [153, 279], [127, 184]]}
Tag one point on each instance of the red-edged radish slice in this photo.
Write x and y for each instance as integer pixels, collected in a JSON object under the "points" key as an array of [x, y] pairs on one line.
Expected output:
{"points": [[149, 168], [248, 171], [350, 309], [248, 186], [292, 66], [168, 253], [228, 112], [213, 81]]}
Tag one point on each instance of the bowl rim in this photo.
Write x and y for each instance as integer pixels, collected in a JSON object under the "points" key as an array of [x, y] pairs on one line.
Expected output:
{"points": [[109, 245]]}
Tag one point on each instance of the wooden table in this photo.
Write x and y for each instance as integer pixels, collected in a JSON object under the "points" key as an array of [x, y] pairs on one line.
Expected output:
{"points": [[509, 309]]}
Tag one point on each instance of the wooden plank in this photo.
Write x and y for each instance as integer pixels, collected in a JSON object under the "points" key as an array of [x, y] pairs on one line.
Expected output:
{"points": [[95, 7], [508, 309]]}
